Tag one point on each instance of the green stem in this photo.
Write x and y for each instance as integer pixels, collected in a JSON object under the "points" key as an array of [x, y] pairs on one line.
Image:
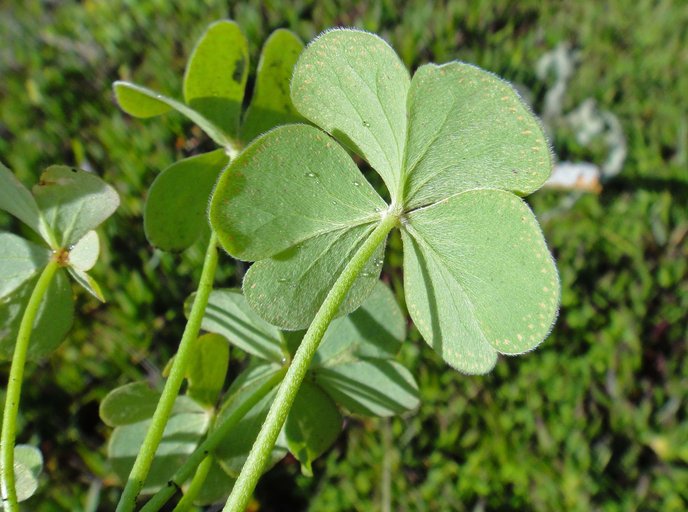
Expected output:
{"points": [[195, 486], [139, 472], [14, 385], [253, 467], [215, 437]]}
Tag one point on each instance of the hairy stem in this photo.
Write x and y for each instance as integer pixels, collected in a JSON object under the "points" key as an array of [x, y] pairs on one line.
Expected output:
{"points": [[9, 417], [139, 472], [214, 438], [253, 467]]}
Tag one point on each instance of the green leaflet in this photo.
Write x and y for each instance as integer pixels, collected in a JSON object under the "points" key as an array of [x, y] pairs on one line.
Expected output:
{"points": [[469, 129], [73, 202], [259, 214], [216, 75], [353, 85], [271, 102], [208, 368], [175, 212], [454, 145], [142, 102]]}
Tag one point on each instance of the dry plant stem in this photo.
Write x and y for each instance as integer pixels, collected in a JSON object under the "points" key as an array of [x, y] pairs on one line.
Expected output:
{"points": [[215, 437], [139, 472], [253, 467], [14, 385]]}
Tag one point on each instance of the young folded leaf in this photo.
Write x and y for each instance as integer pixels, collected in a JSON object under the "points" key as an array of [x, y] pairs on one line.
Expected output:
{"points": [[455, 147]]}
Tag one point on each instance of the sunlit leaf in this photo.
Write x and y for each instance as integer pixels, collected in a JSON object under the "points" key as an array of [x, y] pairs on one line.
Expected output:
{"points": [[271, 102], [87, 283], [175, 212], [216, 75], [353, 85], [73, 202], [85, 252]]}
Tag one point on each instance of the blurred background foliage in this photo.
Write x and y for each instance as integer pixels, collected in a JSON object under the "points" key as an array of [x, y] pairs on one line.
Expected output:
{"points": [[595, 419]]}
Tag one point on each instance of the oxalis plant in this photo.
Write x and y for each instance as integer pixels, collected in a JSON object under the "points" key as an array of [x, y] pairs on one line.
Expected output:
{"points": [[456, 149], [164, 443], [36, 305]]}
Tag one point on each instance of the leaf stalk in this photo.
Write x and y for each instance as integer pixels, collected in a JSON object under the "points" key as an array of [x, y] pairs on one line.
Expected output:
{"points": [[286, 394], [14, 385], [144, 460]]}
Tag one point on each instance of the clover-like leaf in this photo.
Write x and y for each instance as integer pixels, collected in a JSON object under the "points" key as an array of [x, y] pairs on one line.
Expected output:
{"points": [[271, 103], [216, 75], [53, 319], [175, 211], [455, 146], [73, 202]]}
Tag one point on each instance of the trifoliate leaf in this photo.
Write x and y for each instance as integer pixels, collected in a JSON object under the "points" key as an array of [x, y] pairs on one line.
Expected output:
{"points": [[73, 202], [309, 218], [271, 102], [216, 75], [85, 252], [313, 425], [142, 102], [454, 146], [53, 319], [16, 200], [207, 368], [20, 260], [175, 212], [353, 85], [371, 387]]}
